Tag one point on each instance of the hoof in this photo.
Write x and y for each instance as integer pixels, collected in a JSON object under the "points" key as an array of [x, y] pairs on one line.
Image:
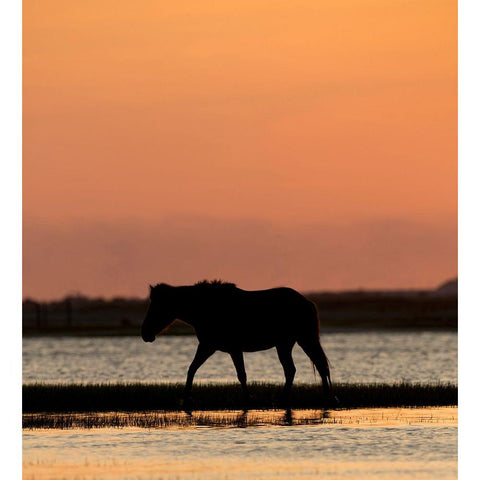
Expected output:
{"points": [[186, 404], [246, 403], [284, 400], [288, 419], [332, 402]]}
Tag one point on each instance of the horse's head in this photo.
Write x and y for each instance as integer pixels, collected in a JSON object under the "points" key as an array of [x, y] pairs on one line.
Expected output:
{"points": [[159, 314]]}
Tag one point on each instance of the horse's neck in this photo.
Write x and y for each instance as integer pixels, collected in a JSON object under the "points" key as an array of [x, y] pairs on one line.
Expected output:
{"points": [[185, 309]]}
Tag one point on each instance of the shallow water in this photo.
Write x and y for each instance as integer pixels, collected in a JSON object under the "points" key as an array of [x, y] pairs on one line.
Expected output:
{"points": [[383, 444], [361, 417], [380, 444], [376, 356]]}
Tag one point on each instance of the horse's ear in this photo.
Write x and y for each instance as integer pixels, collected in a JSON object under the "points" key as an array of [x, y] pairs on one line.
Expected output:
{"points": [[151, 288]]}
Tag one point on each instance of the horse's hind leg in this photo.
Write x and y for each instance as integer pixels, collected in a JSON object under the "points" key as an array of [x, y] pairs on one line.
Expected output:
{"points": [[285, 356], [237, 358], [316, 354]]}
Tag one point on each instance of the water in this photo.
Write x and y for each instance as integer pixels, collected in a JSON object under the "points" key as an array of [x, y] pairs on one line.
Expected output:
{"points": [[341, 452], [354, 450], [376, 356]]}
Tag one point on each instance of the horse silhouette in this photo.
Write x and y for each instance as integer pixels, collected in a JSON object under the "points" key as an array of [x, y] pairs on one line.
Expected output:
{"points": [[234, 321]]}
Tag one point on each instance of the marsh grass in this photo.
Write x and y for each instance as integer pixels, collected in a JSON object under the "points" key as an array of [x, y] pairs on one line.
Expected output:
{"points": [[151, 420], [242, 419], [140, 397]]}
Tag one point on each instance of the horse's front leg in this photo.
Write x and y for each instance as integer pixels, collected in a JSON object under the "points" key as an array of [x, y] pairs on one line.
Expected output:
{"points": [[237, 358], [203, 353]]}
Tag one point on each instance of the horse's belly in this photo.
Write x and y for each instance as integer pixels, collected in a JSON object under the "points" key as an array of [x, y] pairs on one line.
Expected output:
{"points": [[248, 342], [256, 348], [245, 346]]}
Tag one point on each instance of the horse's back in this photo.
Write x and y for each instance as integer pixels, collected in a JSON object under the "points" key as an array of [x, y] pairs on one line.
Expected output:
{"points": [[281, 301]]}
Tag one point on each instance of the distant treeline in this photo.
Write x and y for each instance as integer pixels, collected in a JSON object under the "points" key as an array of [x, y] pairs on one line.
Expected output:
{"points": [[414, 309], [79, 315]]}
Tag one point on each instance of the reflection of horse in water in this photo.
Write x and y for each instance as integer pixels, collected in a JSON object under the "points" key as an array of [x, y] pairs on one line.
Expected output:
{"points": [[232, 320]]}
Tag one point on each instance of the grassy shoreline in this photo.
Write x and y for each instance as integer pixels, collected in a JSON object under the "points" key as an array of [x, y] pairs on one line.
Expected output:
{"points": [[78, 398]]}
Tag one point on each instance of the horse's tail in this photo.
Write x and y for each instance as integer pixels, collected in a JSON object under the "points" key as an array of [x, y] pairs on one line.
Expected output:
{"points": [[322, 358]]}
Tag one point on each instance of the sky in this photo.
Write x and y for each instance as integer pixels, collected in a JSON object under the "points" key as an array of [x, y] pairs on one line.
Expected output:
{"points": [[309, 144]]}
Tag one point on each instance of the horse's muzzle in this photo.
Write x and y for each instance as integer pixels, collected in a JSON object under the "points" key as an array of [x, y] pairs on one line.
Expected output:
{"points": [[148, 337]]}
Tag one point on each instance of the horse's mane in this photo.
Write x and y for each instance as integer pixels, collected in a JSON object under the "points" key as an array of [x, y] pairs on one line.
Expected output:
{"points": [[215, 284], [203, 284]]}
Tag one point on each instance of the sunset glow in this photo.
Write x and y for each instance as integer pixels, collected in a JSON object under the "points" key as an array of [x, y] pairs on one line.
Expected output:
{"points": [[311, 143]]}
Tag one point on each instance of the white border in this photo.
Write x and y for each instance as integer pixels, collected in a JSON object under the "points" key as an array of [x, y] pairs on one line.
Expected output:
{"points": [[11, 251], [469, 235]]}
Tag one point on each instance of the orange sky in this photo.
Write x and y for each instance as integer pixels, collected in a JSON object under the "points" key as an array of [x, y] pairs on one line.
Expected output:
{"points": [[305, 143]]}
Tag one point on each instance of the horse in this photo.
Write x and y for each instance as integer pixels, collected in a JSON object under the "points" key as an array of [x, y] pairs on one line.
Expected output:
{"points": [[232, 320]]}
